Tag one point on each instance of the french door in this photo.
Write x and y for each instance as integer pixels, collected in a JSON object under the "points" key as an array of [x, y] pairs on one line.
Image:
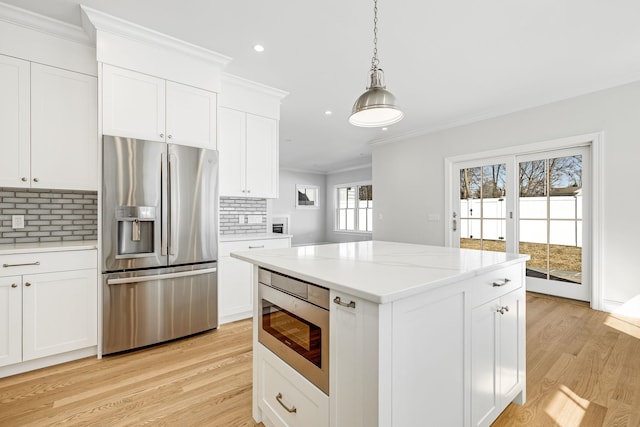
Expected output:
{"points": [[535, 204]]}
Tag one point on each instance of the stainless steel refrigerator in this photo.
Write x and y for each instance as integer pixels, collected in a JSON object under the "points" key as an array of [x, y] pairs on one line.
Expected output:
{"points": [[159, 242]]}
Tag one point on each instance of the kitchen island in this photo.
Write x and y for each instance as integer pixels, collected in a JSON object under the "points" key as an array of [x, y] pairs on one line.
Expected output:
{"points": [[419, 335]]}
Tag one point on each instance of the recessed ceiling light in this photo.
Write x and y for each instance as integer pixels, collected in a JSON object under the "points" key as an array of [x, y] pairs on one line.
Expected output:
{"points": [[385, 128], [328, 112], [258, 48]]}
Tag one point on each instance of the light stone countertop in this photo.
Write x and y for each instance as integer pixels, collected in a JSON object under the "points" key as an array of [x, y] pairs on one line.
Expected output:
{"points": [[252, 236], [25, 248], [378, 271]]}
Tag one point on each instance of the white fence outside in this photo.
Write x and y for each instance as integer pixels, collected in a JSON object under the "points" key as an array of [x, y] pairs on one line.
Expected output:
{"points": [[565, 213]]}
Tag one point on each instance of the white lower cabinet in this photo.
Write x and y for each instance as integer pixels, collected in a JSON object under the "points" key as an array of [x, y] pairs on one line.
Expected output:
{"points": [[497, 365], [235, 289], [48, 306], [286, 398], [10, 320], [60, 312]]}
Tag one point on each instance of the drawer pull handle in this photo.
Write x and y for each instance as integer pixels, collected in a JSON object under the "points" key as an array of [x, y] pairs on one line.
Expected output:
{"points": [[337, 300], [27, 284], [256, 247], [291, 410], [13, 285], [21, 265], [503, 310], [501, 282]]}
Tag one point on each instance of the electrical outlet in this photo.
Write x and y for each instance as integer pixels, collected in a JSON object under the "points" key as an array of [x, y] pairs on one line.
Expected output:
{"points": [[17, 221]]}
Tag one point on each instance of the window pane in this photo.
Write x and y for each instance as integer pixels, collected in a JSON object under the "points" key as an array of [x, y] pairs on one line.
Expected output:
{"points": [[533, 179], [351, 197], [351, 219], [362, 220], [369, 220], [342, 198]]}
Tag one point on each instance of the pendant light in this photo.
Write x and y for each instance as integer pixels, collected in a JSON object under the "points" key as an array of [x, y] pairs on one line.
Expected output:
{"points": [[377, 106]]}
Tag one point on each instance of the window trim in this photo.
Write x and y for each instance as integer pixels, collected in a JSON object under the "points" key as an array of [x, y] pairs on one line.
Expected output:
{"points": [[336, 208]]}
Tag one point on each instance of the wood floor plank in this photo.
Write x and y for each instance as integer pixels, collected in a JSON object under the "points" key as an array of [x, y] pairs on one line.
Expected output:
{"points": [[583, 369]]}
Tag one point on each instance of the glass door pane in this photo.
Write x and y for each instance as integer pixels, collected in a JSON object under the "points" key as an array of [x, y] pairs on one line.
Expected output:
{"points": [[483, 213], [551, 221]]}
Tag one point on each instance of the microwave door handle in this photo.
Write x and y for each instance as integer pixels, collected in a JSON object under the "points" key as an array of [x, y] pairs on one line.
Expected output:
{"points": [[163, 196], [174, 206]]}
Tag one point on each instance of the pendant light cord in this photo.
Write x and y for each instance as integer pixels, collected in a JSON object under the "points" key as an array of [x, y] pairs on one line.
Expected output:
{"points": [[374, 59]]}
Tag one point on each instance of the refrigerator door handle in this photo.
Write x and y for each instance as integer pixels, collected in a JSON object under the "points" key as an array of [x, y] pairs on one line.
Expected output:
{"points": [[174, 206], [124, 280], [163, 192]]}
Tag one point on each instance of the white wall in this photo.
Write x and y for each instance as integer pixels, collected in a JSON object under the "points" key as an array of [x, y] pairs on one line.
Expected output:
{"points": [[346, 177], [408, 177], [306, 225]]}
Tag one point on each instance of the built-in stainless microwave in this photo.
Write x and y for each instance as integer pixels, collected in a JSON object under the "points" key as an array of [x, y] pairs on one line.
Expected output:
{"points": [[294, 324]]}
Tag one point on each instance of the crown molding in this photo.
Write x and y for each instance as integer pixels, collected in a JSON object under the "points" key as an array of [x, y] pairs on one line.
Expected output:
{"points": [[351, 168], [43, 24], [254, 86], [94, 20]]}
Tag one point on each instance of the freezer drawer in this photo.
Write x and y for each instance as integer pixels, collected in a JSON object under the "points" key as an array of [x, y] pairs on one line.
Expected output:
{"points": [[152, 306]]}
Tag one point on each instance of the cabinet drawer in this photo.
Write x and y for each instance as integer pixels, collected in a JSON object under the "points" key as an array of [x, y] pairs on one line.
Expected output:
{"points": [[282, 386], [48, 262], [484, 287], [244, 245]]}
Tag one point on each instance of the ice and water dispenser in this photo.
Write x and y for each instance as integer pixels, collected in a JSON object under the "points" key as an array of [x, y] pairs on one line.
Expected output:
{"points": [[136, 225]]}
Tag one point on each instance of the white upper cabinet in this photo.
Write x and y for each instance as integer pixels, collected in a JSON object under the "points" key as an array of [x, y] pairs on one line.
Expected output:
{"points": [[64, 120], [232, 146], [133, 104], [248, 148], [191, 116], [140, 106], [48, 120], [262, 157], [14, 122]]}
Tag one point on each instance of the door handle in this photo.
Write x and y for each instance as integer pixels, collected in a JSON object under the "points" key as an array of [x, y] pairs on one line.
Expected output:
{"points": [[125, 280], [172, 218], [455, 225], [163, 219]]}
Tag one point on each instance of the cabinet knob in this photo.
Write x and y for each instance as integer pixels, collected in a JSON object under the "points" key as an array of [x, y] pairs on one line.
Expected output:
{"points": [[24, 179], [27, 284], [169, 136], [503, 310], [162, 135], [248, 191], [36, 180], [13, 285]]}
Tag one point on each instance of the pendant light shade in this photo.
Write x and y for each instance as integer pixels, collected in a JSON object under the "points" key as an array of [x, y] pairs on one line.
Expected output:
{"points": [[377, 106]]}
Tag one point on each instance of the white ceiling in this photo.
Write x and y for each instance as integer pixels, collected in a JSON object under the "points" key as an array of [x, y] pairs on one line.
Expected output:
{"points": [[448, 62]]}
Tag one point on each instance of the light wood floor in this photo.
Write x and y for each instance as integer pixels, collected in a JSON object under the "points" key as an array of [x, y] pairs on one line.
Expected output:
{"points": [[583, 369]]}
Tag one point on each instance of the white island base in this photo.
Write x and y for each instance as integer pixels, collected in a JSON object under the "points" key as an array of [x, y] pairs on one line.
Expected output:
{"points": [[436, 337]]}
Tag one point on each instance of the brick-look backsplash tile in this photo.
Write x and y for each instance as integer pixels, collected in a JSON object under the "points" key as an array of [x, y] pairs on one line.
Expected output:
{"points": [[232, 207], [49, 215]]}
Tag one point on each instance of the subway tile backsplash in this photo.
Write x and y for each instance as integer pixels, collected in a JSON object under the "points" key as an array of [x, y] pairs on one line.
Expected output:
{"points": [[49, 215], [234, 209]]}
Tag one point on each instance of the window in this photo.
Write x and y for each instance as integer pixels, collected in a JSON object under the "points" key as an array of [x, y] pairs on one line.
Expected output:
{"points": [[354, 210]]}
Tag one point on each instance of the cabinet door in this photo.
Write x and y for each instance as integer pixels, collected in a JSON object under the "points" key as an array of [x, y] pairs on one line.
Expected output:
{"points": [[10, 320], [14, 122], [262, 157], [232, 148], [484, 352], [60, 312], [64, 129], [191, 116], [133, 104], [511, 340], [234, 290]]}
